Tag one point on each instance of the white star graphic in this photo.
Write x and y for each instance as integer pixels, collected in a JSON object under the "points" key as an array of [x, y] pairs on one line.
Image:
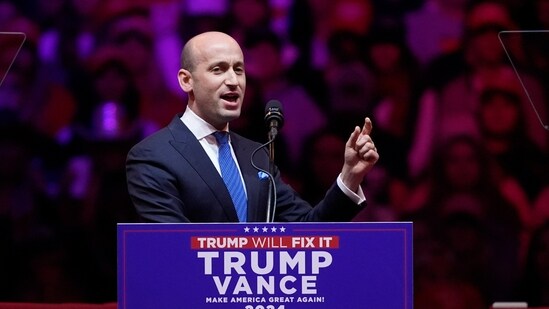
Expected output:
{"points": [[273, 229], [265, 229], [246, 229], [282, 229], [256, 229]]}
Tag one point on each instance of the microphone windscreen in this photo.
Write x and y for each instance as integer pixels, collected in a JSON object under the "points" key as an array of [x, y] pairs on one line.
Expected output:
{"points": [[273, 105], [273, 113]]}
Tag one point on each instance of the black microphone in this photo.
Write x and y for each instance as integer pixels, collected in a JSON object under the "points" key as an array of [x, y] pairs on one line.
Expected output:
{"points": [[274, 119]]}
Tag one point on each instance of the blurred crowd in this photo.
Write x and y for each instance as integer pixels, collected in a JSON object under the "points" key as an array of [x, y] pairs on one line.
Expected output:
{"points": [[463, 152]]}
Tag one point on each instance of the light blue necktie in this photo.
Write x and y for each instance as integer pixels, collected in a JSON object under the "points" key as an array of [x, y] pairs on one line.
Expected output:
{"points": [[231, 176]]}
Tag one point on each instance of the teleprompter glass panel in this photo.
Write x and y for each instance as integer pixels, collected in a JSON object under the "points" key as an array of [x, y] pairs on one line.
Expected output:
{"points": [[528, 53]]}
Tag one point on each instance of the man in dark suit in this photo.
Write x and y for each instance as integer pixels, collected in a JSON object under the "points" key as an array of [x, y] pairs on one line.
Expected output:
{"points": [[174, 176]]}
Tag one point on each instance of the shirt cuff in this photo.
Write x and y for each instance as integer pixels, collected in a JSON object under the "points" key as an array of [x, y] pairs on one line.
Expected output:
{"points": [[357, 197]]}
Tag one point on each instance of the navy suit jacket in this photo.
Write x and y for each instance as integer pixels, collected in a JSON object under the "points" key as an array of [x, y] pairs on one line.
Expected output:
{"points": [[171, 179]]}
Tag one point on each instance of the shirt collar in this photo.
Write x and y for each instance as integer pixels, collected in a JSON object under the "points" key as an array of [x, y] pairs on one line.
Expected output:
{"points": [[198, 126]]}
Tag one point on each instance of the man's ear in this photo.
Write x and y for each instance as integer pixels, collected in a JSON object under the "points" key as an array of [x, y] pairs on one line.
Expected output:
{"points": [[185, 80]]}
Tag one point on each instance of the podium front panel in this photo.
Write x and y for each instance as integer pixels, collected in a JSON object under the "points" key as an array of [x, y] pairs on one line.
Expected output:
{"points": [[265, 265]]}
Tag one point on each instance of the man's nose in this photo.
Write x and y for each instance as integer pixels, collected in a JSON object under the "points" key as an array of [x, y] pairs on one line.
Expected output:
{"points": [[231, 78]]}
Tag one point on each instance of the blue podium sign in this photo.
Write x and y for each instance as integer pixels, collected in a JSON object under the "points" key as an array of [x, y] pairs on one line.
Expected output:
{"points": [[265, 266]]}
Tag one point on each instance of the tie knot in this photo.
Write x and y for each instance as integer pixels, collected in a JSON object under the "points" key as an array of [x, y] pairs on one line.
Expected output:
{"points": [[222, 137]]}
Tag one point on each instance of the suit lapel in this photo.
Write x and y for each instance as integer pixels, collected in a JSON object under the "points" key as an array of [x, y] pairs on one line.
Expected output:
{"points": [[188, 146]]}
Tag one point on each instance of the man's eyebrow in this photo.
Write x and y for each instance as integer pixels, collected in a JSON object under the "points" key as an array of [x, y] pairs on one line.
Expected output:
{"points": [[225, 63], [218, 63]]}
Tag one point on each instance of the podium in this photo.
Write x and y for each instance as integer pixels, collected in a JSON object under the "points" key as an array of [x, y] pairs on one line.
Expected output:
{"points": [[265, 265]]}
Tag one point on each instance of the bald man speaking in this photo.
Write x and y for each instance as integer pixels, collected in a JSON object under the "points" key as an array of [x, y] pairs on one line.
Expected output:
{"points": [[197, 170]]}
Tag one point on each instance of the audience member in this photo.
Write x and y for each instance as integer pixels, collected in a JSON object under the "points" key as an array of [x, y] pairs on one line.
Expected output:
{"points": [[451, 100], [534, 41], [68, 37], [313, 22], [111, 104], [245, 16], [461, 193], [486, 64], [132, 32], [93, 193], [317, 172], [348, 85], [503, 131], [396, 95], [394, 101], [435, 29], [263, 63], [28, 91], [28, 210]]}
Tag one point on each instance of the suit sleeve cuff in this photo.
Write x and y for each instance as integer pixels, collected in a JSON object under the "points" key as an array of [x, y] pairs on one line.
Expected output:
{"points": [[357, 197]]}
